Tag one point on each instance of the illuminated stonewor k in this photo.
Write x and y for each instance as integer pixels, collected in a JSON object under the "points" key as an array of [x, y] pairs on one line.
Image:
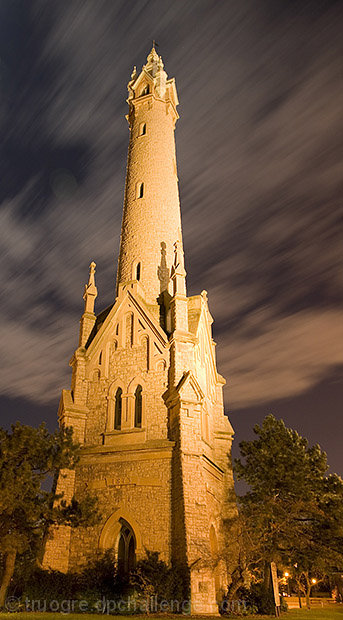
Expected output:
{"points": [[146, 399]]}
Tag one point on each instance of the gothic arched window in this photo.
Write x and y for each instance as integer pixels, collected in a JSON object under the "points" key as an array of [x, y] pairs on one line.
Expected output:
{"points": [[126, 549], [117, 409], [138, 406]]}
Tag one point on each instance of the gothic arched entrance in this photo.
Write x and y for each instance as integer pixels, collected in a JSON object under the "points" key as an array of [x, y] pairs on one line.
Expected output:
{"points": [[121, 533], [125, 549]]}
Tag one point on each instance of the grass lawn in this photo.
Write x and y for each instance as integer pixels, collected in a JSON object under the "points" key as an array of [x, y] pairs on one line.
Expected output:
{"points": [[329, 613], [326, 613]]}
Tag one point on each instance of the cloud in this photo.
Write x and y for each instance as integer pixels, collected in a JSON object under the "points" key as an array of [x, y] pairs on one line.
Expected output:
{"points": [[270, 359]]}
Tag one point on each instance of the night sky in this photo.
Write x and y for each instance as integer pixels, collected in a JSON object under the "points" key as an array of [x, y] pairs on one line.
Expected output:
{"points": [[260, 167]]}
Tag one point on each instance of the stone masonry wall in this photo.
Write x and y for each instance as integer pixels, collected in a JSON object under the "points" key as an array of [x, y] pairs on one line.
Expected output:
{"points": [[57, 546], [139, 484]]}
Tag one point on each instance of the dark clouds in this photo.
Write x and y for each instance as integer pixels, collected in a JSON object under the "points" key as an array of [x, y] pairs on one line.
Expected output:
{"points": [[259, 158]]}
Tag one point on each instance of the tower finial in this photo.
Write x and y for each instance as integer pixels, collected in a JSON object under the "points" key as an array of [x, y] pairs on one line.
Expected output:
{"points": [[91, 291], [153, 56]]}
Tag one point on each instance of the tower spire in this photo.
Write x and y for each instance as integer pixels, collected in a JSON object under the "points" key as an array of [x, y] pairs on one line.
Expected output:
{"points": [[151, 215]]}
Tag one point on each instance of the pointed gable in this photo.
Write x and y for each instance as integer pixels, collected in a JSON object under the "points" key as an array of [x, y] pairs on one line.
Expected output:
{"points": [[129, 303], [189, 389]]}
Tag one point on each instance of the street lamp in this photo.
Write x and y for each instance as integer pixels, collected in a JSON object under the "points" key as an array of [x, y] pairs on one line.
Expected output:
{"points": [[286, 575]]}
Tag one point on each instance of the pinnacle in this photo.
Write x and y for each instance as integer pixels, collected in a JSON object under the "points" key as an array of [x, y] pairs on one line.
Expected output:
{"points": [[153, 57], [90, 288]]}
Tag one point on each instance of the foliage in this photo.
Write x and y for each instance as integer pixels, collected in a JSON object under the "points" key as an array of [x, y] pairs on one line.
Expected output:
{"points": [[152, 579], [48, 585], [253, 600], [100, 576], [95, 583], [29, 459], [293, 512], [143, 590]]}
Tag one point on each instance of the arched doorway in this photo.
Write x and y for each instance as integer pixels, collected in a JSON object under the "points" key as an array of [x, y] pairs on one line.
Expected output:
{"points": [[121, 534], [126, 549]]}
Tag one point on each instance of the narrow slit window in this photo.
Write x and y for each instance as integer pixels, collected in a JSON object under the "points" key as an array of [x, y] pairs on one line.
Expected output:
{"points": [[118, 409], [138, 407], [142, 129], [140, 190], [138, 271]]}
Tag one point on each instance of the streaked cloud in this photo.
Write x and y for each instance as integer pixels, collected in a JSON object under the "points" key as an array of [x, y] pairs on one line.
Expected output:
{"points": [[269, 359], [259, 163]]}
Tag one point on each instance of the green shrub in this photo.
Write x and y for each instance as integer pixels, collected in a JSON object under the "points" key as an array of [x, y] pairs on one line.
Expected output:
{"points": [[252, 601], [154, 578], [99, 585]]}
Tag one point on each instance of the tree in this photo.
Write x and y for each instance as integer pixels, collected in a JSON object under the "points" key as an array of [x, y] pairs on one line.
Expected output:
{"points": [[319, 552], [239, 554], [30, 459], [293, 510]]}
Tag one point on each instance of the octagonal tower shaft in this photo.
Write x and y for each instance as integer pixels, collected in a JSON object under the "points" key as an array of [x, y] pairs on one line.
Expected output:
{"points": [[151, 218]]}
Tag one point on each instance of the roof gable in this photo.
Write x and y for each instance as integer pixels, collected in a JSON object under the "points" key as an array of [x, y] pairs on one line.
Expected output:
{"points": [[189, 389], [106, 321]]}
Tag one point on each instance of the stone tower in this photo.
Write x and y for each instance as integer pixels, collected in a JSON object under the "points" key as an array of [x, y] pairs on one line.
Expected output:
{"points": [[146, 399]]}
